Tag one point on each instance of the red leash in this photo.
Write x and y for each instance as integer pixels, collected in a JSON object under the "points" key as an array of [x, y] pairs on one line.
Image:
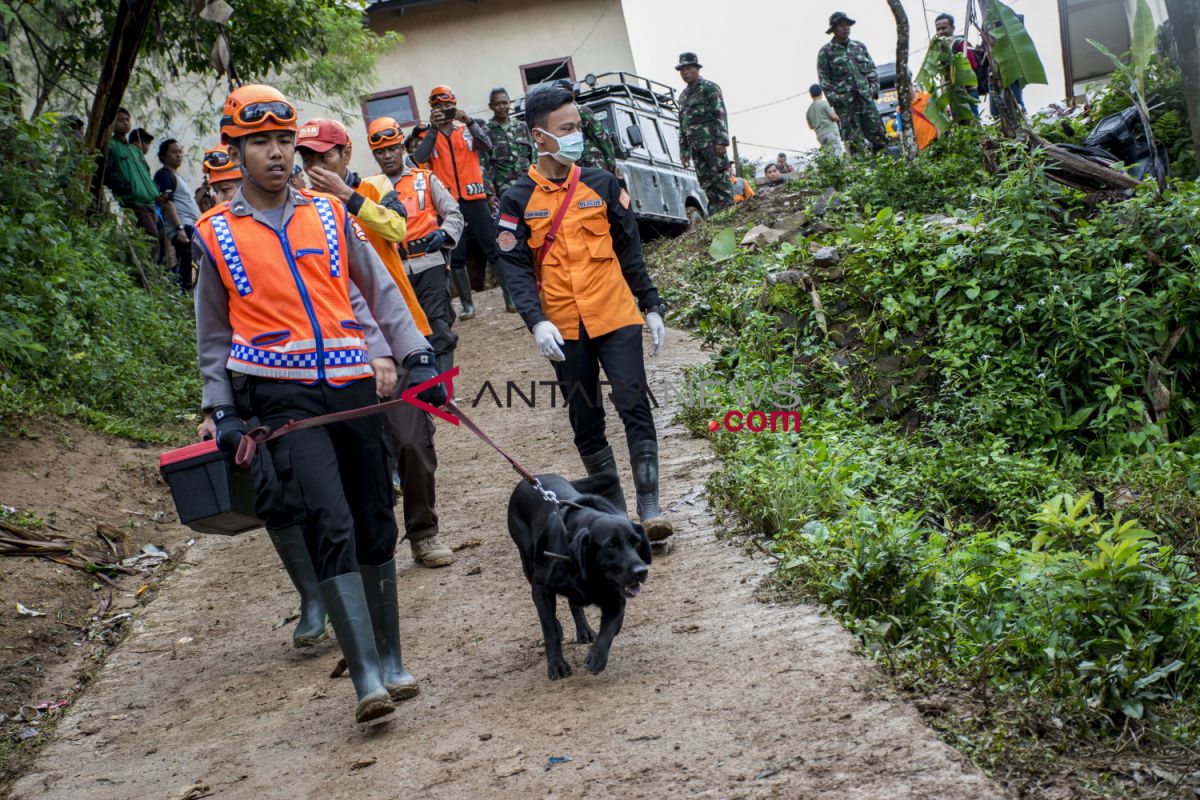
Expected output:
{"points": [[262, 434]]}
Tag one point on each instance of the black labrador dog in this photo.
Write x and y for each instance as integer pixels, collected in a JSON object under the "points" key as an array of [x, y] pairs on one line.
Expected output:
{"points": [[586, 550]]}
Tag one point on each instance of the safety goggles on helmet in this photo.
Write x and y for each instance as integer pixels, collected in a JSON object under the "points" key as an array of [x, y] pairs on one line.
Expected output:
{"points": [[441, 94], [381, 137], [252, 115], [218, 159]]}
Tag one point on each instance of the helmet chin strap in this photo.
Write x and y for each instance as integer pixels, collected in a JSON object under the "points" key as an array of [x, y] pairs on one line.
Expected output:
{"points": [[246, 176]]}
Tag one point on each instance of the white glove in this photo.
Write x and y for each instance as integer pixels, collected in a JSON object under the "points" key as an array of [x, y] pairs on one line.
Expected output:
{"points": [[548, 340], [658, 331]]}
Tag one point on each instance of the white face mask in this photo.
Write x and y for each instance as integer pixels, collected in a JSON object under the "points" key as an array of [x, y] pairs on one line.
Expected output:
{"points": [[570, 147]]}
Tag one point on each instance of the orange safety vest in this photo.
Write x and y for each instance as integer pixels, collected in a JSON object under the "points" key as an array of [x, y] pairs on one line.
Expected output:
{"points": [[389, 255], [289, 293], [416, 192], [456, 163]]}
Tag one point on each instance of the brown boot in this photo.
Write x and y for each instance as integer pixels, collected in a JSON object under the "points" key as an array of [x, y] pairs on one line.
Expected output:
{"points": [[430, 552]]}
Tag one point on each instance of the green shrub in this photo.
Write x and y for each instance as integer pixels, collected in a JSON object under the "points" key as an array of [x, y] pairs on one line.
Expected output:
{"points": [[77, 332]]}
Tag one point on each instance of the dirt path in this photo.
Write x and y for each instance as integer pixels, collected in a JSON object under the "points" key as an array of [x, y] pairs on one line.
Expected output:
{"points": [[708, 693]]}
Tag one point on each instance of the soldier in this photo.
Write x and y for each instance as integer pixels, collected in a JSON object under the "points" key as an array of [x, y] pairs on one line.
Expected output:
{"points": [[704, 132], [847, 73], [512, 148]]}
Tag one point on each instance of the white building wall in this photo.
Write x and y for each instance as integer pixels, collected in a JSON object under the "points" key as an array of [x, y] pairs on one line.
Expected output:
{"points": [[471, 45]]}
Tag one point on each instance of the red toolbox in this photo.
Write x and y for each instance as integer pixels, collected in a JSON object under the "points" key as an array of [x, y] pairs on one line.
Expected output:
{"points": [[211, 495]]}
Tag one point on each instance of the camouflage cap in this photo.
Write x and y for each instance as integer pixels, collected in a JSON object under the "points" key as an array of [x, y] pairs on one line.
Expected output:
{"points": [[835, 18], [687, 60]]}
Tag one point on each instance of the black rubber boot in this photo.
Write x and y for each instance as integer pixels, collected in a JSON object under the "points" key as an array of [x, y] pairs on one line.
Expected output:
{"points": [[346, 602], [604, 461], [508, 303], [445, 362], [462, 282], [289, 544], [379, 583], [644, 457]]}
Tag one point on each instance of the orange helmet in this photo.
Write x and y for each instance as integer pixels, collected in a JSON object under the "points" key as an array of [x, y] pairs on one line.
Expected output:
{"points": [[253, 108], [384, 132], [221, 165], [441, 94]]}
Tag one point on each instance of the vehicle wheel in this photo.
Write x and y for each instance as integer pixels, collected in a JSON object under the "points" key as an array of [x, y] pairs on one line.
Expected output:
{"points": [[695, 218]]}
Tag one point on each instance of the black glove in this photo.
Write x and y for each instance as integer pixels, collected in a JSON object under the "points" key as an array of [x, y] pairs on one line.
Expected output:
{"points": [[421, 367], [392, 201], [429, 243], [230, 429]]}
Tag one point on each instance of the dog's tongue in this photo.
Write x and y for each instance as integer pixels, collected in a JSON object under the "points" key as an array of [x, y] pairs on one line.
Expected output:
{"points": [[634, 590]]}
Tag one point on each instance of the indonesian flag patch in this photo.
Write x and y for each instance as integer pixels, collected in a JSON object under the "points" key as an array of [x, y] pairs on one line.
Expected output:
{"points": [[509, 222]]}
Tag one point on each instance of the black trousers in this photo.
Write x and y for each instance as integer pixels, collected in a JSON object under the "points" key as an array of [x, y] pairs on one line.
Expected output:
{"points": [[432, 289], [338, 472], [410, 438], [183, 259], [620, 355], [481, 228]]}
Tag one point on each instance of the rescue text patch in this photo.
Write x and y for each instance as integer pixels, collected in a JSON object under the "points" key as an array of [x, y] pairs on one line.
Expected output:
{"points": [[594, 203], [545, 212]]}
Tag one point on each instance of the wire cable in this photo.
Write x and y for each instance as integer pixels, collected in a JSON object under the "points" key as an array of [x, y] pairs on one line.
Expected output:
{"points": [[595, 25]]}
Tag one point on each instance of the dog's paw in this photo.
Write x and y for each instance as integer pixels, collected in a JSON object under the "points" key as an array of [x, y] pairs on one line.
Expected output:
{"points": [[585, 635], [558, 669], [595, 661]]}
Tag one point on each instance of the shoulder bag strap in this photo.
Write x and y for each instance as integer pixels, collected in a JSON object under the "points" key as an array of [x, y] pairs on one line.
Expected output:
{"points": [[552, 234]]}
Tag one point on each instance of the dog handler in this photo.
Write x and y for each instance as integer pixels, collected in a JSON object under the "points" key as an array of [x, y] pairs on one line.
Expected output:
{"points": [[572, 258], [278, 339]]}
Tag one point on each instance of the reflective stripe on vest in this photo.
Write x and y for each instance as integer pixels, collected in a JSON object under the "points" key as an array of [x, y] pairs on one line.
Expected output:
{"points": [[414, 191], [297, 324], [229, 252], [456, 163], [329, 223]]}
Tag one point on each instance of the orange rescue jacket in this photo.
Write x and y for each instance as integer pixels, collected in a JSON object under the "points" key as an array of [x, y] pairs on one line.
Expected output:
{"points": [[580, 275]]}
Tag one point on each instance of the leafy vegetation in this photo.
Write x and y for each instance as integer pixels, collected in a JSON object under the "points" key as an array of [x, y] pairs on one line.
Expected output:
{"points": [[309, 49], [78, 334], [995, 486]]}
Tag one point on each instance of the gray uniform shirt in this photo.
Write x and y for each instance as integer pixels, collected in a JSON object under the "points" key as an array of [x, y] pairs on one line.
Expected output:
{"points": [[376, 301], [450, 215]]}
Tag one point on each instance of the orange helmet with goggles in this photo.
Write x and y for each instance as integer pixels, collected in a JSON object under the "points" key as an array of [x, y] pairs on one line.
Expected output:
{"points": [[256, 108], [384, 132], [441, 94], [220, 165]]}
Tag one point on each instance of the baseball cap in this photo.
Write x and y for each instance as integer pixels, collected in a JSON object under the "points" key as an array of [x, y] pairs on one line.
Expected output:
{"points": [[322, 135]]}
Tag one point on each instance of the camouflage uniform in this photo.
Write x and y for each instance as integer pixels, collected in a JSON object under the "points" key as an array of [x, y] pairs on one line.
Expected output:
{"points": [[511, 154], [598, 150], [702, 127], [847, 73]]}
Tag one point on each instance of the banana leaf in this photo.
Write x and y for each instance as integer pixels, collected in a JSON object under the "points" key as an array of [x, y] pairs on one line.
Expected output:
{"points": [[1143, 43], [948, 77], [1013, 51]]}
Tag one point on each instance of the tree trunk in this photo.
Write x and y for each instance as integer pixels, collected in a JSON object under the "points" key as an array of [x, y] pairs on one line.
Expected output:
{"points": [[904, 91], [1185, 24], [10, 95], [133, 16]]}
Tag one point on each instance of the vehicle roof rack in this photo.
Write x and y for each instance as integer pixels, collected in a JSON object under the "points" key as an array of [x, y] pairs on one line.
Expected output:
{"points": [[620, 84]]}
